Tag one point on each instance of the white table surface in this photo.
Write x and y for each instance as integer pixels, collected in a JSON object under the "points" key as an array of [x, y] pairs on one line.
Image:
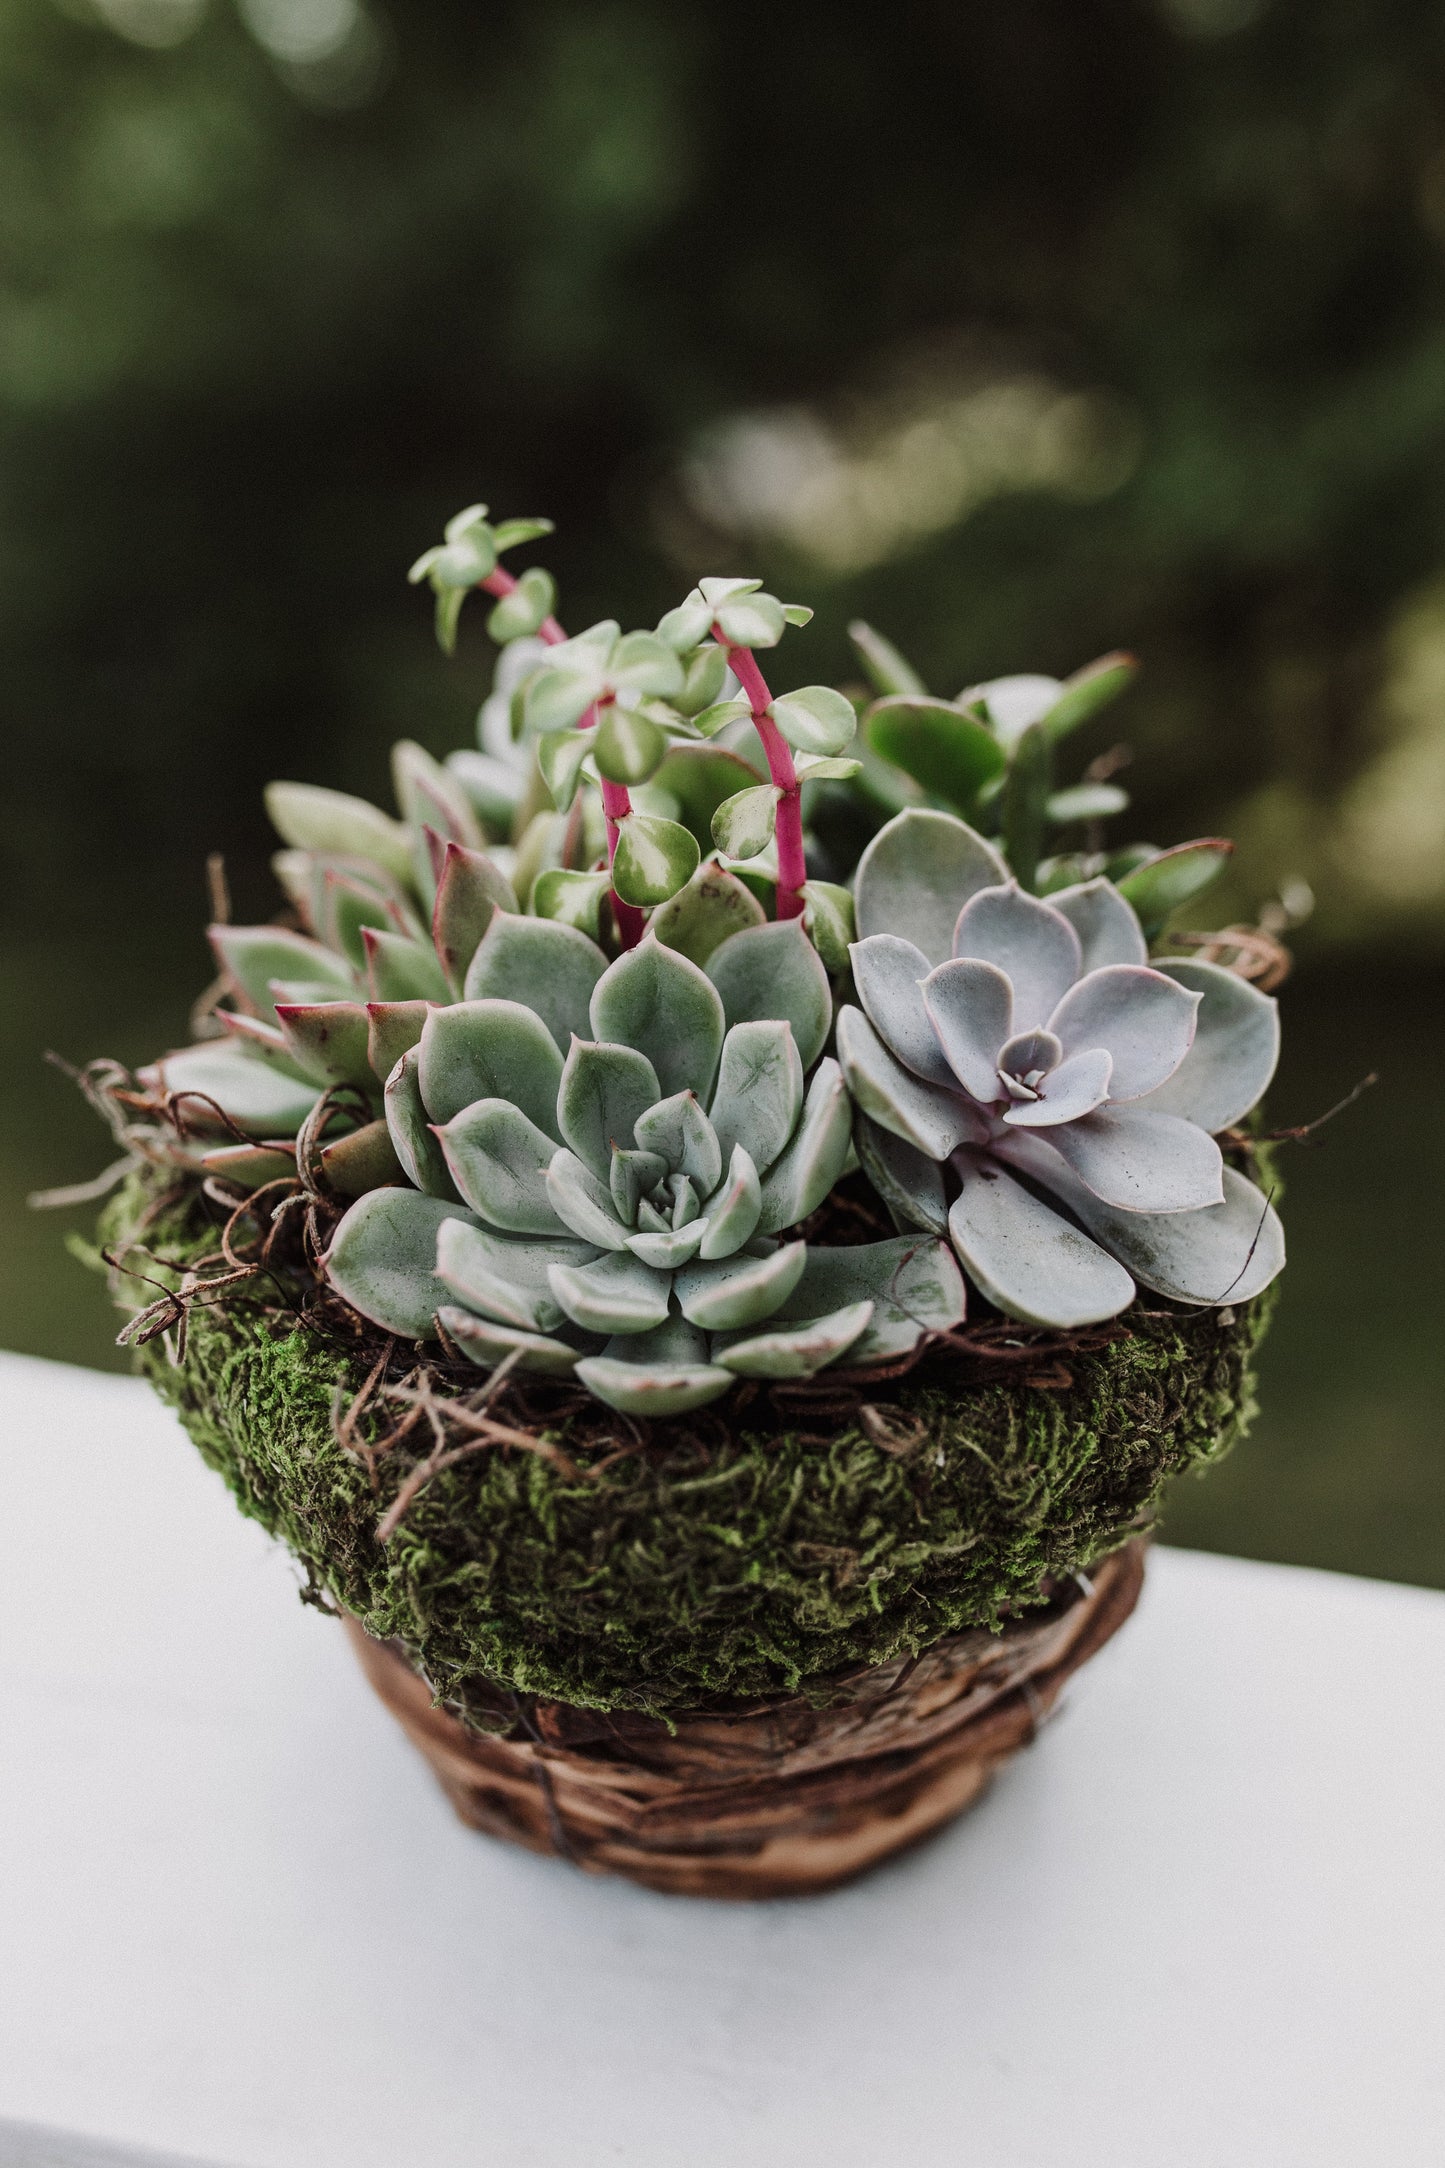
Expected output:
{"points": [[1200, 1925]]}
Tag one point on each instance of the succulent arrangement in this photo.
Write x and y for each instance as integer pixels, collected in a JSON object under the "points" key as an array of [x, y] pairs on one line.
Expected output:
{"points": [[577, 1042]]}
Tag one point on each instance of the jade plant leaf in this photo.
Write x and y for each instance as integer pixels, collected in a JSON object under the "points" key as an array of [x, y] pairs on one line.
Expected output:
{"points": [[743, 825], [560, 754], [700, 777], [550, 968], [572, 899], [499, 1160], [382, 1259], [490, 1050], [1162, 883], [654, 999], [1089, 690], [774, 971], [627, 747]]}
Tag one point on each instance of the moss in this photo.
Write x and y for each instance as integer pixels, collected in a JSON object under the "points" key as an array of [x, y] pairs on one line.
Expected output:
{"points": [[756, 1565]]}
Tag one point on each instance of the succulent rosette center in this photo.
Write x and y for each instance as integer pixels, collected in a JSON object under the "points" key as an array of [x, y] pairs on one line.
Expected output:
{"points": [[1071, 1089]]}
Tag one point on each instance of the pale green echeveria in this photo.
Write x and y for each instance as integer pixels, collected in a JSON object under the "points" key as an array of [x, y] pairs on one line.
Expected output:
{"points": [[607, 1159], [1027, 1079]]}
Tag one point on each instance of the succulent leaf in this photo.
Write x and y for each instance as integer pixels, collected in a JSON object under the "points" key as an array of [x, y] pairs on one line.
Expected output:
{"points": [[489, 1049], [793, 1351], [732, 1212], [412, 1135], [910, 1184], [252, 956], [815, 719], [259, 1097], [726, 1294], [654, 999], [583, 1203], [545, 966], [721, 715], [667, 1249], [632, 1177], [654, 859], [520, 613], [700, 917], [382, 1259], [401, 970], [1140, 1161], [616, 1294], [499, 1161], [916, 875], [250, 1166], [887, 671], [604, 1091], [572, 899], [363, 1160], [774, 971], [310, 818], [931, 1119], [889, 975], [1161, 884], [504, 1280], [759, 1091], [748, 619], [1108, 931], [1086, 802], [828, 917], [329, 1040], [952, 755], [1029, 941], [640, 1388], [349, 906], [470, 891], [1025, 1257], [1089, 690], [487, 1344], [560, 754], [680, 1133], [743, 824], [1236, 1046], [627, 747], [911, 1280], [392, 1027], [801, 1178], [1144, 1020]]}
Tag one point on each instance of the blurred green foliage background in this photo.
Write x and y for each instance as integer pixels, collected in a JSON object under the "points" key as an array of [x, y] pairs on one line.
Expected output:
{"points": [[1025, 332]]}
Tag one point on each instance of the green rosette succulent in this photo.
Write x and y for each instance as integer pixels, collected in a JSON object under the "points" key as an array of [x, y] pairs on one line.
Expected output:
{"points": [[1029, 1084], [606, 1159]]}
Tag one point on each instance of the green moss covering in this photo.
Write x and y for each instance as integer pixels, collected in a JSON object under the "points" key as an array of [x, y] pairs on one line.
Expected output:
{"points": [[699, 1570]]}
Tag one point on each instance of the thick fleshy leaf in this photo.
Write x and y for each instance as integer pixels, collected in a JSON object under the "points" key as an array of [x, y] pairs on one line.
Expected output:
{"points": [[793, 1351], [1223, 1253], [721, 715], [732, 1213], [329, 1040], [490, 1050], [887, 670], [260, 1097], [700, 777], [402, 970], [1030, 942], [759, 1091], [969, 1006], [1014, 704], [1171, 878], [494, 787], [705, 673], [1108, 931], [749, 620], [549, 968], [1236, 1047], [924, 1115], [1086, 802], [665, 1252], [470, 891], [815, 719], [738, 1291], [560, 754], [1023, 804], [310, 818], [382, 1260], [430, 796], [1089, 690], [654, 999], [911, 1280], [573, 899], [502, 1279], [1140, 1017], [701, 916], [654, 859], [488, 1344], [604, 1090], [252, 956], [889, 975], [364, 1159], [679, 1131], [1141, 1162], [632, 1178], [499, 1161], [251, 1166], [1030, 1260], [617, 1293], [952, 755], [393, 1026], [557, 697], [1074, 1088], [254, 1031], [916, 876], [774, 971], [411, 1131], [796, 1184], [626, 746], [743, 825], [641, 663], [348, 907], [520, 613], [583, 1203], [910, 1185], [828, 917], [640, 1388]]}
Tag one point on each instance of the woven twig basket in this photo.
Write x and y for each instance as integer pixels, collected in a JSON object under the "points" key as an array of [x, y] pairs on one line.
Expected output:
{"points": [[775, 1798]]}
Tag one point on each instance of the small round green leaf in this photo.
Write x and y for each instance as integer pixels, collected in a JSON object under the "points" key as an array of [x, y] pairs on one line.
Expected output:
{"points": [[654, 859], [743, 824], [815, 719], [627, 747]]}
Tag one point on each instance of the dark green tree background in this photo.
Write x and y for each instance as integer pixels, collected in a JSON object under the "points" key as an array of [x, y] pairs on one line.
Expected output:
{"points": [[283, 283]]}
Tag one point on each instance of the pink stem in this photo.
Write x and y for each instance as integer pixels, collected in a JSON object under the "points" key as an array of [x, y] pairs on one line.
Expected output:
{"points": [[616, 804], [788, 827]]}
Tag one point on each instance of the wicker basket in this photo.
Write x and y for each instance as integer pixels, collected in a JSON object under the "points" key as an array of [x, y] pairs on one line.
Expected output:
{"points": [[774, 1798]]}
